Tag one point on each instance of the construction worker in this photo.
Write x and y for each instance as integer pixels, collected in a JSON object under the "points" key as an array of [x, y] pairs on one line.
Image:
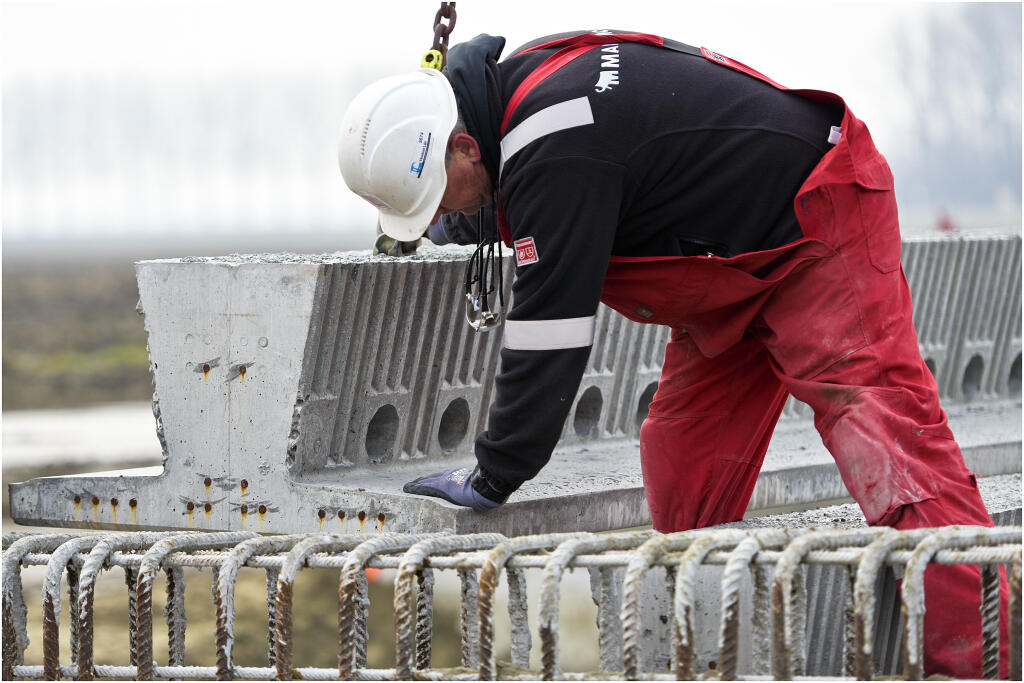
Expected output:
{"points": [[680, 188]]}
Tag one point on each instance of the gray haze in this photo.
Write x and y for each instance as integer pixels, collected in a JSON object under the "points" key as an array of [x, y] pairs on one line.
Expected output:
{"points": [[961, 71], [160, 152]]}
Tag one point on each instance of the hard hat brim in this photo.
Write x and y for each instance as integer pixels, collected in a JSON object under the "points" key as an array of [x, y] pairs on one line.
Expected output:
{"points": [[408, 228]]}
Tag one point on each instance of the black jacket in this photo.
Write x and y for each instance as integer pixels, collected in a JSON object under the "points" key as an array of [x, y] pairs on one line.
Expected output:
{"points": [[684, 157]]}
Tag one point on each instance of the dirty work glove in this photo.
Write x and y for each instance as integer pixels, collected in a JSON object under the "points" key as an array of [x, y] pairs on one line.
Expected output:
{"points": [[391, 246], [457, 486]]}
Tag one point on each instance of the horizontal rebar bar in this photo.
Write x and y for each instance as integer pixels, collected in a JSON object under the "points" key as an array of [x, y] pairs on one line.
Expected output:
{"points": [[849, 557]]}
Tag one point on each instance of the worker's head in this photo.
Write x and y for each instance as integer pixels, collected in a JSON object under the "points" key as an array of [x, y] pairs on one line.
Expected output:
{"points": [[405, 150]]}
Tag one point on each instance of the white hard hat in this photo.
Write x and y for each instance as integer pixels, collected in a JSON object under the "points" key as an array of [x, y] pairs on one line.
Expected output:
{"points": [[393, 141]]}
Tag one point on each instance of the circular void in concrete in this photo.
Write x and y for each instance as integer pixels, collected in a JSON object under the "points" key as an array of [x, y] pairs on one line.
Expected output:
{"points": [[588, 413], [643, 406], [454, 425], [972, 378], [1013, 381], [381, 433]]}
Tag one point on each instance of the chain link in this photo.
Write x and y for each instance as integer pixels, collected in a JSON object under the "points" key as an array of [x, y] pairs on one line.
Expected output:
{"points": [[443, 30]]}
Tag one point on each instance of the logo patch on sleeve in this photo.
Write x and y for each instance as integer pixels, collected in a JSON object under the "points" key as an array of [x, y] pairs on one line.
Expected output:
{"points": [[526, 252], [644, 312]]}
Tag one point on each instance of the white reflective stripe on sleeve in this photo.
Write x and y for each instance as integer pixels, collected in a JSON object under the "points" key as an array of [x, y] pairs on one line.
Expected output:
{"points": [[568, 114], [545, 335]]}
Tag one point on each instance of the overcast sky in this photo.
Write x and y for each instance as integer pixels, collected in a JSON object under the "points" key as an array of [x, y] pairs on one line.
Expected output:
{"points": [[191, 116]]}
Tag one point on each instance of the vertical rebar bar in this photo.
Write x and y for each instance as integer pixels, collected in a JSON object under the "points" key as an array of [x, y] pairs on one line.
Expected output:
{"points": [[485, 606], [732, 578], [51, 640], [74, 570], [424, 617], [130, 578], [609, 618], [517, 612], [282, 648], [990, 621], [798, 623], [762, 616], [213, 585], [272, 582], [174, 612], [640, 562], [469, 623], [360, 637], [849, 624]]}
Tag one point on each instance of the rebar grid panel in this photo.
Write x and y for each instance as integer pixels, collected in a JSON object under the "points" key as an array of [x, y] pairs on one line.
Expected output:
{"points": [[861, 552]]}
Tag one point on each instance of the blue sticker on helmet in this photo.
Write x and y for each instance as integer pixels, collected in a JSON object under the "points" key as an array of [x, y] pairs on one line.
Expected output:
{"points": [[417, 166]]}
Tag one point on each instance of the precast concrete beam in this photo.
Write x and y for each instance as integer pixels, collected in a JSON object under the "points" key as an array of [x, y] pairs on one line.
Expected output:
{"points": [[298, 393]]}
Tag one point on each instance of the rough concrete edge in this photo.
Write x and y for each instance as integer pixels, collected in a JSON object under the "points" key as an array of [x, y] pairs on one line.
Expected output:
{"points": [[1001, 495]]}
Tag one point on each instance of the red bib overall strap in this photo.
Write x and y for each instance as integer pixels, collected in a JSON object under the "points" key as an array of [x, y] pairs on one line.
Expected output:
{"points": [[573, 47]]}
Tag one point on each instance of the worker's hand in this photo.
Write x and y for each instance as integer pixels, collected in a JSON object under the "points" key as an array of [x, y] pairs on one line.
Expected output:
{"points": [[391, 246], [452, 485]]}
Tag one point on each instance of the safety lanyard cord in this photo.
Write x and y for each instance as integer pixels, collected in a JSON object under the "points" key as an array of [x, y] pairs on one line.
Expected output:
{"points": [[484, 270]]}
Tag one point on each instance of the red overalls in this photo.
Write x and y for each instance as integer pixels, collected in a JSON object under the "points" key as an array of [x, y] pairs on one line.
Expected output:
{"points": [[828, 319]]}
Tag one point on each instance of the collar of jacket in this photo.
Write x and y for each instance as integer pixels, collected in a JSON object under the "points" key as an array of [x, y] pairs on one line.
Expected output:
{"points": [[471, 69]]}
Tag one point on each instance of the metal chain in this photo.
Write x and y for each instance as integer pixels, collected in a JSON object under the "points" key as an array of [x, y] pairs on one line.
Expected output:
{"points": [[443, 30]]}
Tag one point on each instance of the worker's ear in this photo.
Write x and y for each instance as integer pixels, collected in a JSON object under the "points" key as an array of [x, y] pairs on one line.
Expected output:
{"points": [[464, 145]]}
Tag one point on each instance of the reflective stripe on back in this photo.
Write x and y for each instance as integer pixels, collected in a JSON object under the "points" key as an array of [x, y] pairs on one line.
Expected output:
{"points": [[561, 116]]}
